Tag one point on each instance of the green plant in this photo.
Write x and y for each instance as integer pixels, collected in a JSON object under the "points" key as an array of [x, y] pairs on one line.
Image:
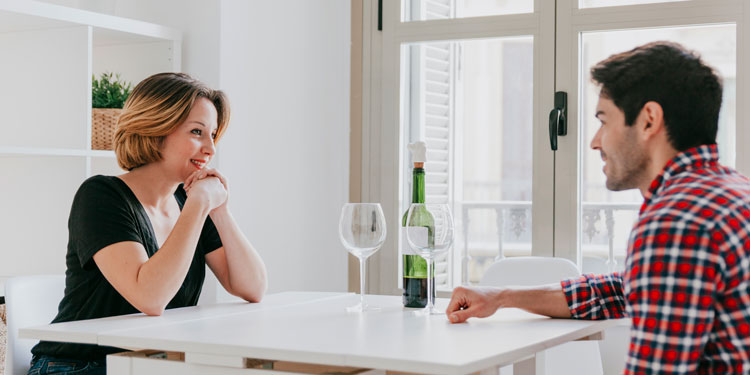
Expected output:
{"points": [[109, 91]]}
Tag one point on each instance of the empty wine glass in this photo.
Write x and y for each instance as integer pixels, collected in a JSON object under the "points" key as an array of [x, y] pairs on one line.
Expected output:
{"points": [[362, 232], [429, 231]]}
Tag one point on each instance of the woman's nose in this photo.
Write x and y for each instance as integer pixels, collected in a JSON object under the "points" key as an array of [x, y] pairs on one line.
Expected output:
{"points": [[209, 147]]}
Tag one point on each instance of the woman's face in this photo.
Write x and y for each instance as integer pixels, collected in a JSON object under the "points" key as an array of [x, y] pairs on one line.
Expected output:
{"points": [[191, 146]]}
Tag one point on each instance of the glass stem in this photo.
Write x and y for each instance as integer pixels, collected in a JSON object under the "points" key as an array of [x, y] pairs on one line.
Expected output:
{"points": [[430, 298], [362, 282]]}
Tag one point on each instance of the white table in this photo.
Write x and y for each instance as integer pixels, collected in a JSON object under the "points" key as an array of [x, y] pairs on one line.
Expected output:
{"points": [[314, 328]]}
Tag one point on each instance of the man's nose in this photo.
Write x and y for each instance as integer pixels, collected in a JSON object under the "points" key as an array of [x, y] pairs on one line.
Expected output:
{"points": [[596, 141]]}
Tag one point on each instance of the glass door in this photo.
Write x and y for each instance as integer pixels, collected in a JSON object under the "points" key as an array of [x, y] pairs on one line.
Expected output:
{"points": [[469, 78], [588, 32]]}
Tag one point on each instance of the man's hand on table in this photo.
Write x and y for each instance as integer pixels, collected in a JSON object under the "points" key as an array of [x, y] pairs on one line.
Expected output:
{"points": [[477, 302], [481, 302]]}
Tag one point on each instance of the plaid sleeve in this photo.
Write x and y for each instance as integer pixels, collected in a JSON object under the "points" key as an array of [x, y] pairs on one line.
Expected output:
{"points": [[595, 296], [672, 293]]}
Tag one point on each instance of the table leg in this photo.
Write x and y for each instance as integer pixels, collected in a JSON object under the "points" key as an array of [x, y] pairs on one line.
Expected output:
{"points": [[533, 365], [118, 365]]}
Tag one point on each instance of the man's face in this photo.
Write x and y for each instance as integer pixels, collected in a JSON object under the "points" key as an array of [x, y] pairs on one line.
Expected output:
{"points": [[624, 156]]}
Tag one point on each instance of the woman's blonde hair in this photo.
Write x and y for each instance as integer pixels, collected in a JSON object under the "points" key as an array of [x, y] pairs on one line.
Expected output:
{"points": [[155, 108]]}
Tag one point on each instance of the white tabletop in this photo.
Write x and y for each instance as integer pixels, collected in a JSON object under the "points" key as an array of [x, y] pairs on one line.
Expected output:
{"points": [[315, 328]]}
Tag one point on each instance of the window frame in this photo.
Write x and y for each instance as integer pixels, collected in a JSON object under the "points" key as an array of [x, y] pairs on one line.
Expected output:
{"points": [[381, 176]]}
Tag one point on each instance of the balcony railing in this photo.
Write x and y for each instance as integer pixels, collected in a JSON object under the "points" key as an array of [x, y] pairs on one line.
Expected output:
{"points": [[591, 215], [518, 212], [512, 218]]}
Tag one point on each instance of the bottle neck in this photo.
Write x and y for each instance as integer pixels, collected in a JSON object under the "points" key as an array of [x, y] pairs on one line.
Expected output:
{"points": [[417, 194]]}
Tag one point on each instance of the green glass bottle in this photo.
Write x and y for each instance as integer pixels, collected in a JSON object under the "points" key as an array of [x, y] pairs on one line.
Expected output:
{"points": [[415, 267]]}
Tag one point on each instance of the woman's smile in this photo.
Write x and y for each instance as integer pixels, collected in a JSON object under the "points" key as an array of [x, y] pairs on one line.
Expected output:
{"points": [[198, 163]]}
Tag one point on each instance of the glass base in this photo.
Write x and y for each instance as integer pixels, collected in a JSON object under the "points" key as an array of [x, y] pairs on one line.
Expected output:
{"points": [[428, 311], [362, 308]]}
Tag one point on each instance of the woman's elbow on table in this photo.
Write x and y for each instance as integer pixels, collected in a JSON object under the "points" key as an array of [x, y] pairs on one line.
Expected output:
{"points": [[151, 309], [253, 292]]}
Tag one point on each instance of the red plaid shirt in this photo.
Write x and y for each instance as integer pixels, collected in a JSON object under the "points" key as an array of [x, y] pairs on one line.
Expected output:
{"points": [[686, 283]]}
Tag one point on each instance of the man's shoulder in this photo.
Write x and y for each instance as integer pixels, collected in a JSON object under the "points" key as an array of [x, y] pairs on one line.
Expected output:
{"points": [[722, 186], [702, 199]]}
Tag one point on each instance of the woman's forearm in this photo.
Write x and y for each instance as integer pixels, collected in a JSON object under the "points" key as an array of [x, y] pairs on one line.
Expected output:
{"points": [[246, 270], [159, 278]]}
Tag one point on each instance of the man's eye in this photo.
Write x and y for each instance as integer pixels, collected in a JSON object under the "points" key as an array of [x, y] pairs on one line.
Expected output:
{"points": [[196, 131]]}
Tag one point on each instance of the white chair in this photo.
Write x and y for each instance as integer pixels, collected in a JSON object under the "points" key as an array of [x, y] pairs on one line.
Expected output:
{"points": [[29, 301], [580, 357], [614, 346]]}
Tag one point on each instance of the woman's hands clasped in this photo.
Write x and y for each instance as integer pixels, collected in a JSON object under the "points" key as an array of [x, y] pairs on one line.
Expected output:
{"points": [[210, 185]]}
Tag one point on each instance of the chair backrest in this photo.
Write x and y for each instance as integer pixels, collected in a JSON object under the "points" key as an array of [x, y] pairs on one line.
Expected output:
{"points": [[581, 357], [528, 271], [595, 265], [29, 301]]}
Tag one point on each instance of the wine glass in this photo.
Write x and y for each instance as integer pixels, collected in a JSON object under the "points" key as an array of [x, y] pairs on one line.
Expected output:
{"points": [[429, 231], [362, 232]]}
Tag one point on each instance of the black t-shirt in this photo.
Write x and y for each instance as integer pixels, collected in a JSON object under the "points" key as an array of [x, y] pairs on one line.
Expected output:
{"points": [[105, 211]]}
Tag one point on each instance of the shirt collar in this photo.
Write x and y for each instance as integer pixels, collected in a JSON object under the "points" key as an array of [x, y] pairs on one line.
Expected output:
{"points": [[693, 158]]}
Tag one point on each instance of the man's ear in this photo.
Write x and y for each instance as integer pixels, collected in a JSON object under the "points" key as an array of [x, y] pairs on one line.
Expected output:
{"points": [[652, 117]]}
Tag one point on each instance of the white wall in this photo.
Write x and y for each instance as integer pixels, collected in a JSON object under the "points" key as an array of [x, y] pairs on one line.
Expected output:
{"points": [[285, 67], [199, 22]]}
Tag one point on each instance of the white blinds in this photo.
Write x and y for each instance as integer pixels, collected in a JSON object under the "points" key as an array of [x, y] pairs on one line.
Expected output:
{"points": [[435, 74]]}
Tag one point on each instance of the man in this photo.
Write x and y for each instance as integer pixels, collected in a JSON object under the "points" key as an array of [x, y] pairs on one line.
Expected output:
{"points": [[686, 283]]}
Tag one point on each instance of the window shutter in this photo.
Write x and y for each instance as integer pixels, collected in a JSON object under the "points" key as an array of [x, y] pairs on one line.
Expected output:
{"points": [[437, 68]]}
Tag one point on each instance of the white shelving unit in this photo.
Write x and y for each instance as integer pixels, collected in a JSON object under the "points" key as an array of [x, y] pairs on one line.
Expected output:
{"points": [[48, 54]]}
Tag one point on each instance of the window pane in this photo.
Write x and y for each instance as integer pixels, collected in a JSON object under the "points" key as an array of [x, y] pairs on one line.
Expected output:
{"points": [[471, 102], [611, 3], [608, 217], [422, 10]]}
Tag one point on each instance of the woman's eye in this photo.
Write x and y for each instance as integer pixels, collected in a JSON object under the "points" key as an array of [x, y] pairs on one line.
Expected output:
{"points": [[196, 131], [213, 136]]}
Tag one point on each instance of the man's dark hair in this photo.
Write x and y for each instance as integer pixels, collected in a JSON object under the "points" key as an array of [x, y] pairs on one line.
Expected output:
{"points": [[688, 90]]}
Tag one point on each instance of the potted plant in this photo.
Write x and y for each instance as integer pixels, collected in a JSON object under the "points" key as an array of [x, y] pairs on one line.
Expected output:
{"points": [[108, 95]]}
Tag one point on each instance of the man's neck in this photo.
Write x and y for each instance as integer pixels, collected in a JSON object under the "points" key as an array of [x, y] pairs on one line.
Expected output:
{"points": [[657, 161]]}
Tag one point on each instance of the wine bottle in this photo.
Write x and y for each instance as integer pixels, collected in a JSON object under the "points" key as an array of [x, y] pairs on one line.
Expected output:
{"points": [[415, 267]]}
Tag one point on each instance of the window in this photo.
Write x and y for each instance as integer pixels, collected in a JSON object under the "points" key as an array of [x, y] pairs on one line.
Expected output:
{"points": [[476, 80], [422, 10], [469, 101]]}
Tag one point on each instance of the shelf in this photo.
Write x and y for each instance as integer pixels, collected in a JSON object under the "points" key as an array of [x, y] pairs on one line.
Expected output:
{"points": [[38, 151], [37, 195], [49, 54], [26, 15]]}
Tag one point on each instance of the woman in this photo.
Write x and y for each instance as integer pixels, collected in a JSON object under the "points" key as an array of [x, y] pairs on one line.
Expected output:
{"points": [[140, 241]]}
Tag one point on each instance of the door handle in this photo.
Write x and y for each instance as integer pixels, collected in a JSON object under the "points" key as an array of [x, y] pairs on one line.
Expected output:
{"points": [[558, 124]]}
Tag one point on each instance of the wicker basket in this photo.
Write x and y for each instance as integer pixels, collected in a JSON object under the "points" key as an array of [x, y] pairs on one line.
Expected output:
{"points": [[103, 121]]}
